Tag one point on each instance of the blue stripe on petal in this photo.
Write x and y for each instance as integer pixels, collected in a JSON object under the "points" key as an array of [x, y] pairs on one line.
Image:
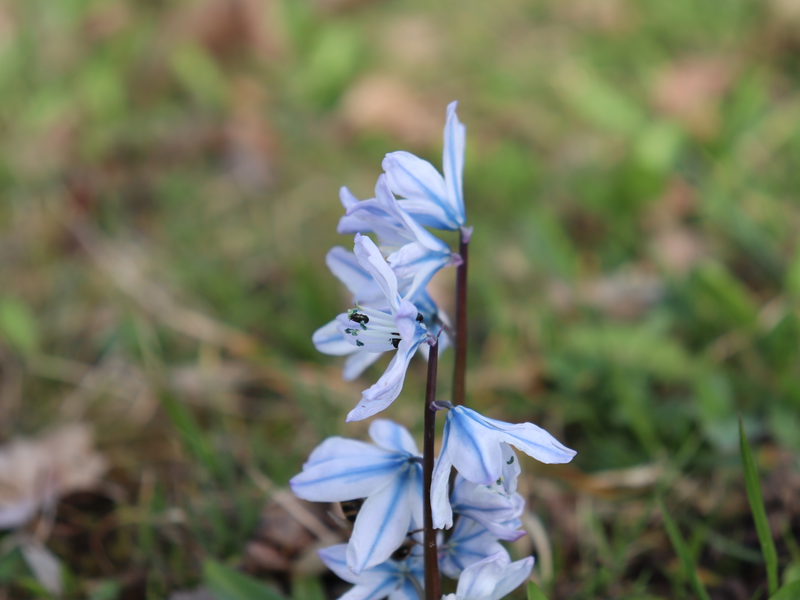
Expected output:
{"points": [[381, 525]]}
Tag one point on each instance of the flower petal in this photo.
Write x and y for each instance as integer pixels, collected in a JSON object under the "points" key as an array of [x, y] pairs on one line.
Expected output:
{"points": [[328, 340], [335, 558], [415, 179], [415, 500], [514, 575], [381, 525], [496, 512], [493, 577], [440, 502], [474, 448], [469, 543], [427, 213], [478, 581], [407, 591], [370, 259], [511, 469], [347, 198], [453, 162], [416, 262], [344, 265], [358, 362], [532, 440], [385, 390], [390, 436], [340, 469], [390, 384], [386, 199]]}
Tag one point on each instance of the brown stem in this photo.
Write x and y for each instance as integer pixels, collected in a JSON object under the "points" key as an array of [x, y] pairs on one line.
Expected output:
{"points": [[460, 370], [433, 586]]}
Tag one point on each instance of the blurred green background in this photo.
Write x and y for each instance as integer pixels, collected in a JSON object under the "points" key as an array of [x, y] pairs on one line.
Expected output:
{"points": [[169, 173]]}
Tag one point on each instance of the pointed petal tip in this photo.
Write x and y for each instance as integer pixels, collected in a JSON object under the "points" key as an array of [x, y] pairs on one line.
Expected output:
{"points": [[354, 569], [513, 538]]}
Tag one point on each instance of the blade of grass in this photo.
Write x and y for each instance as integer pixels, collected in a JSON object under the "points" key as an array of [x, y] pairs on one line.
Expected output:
{"points": [[753, 487], [791, 591], [227, 584], [534, 593], [192, 434], [683, 553]]}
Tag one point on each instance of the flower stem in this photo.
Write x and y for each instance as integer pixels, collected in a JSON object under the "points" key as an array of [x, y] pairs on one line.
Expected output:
{"points": [[433, 586], [460, 370]]}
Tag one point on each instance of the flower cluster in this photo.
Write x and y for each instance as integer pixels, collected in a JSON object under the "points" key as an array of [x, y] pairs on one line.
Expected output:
{"points": [[393, 312]]}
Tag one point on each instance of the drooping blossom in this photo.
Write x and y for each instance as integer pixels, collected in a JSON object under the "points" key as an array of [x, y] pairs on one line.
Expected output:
{"points": [[388, 475], [366, 292], [490, 506], [432, 199], [400, 328], [397, 580], [474, 445], [491, 578], [469, 542], [413, 253]]}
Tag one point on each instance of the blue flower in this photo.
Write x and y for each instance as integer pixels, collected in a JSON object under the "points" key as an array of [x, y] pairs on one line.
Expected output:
{"points": [[411, 251], [397, 326], [397, 580], [433, 200], [470, 542], [490, 506], [388, 475], [366, 292], [491, 578], [474, 445]]}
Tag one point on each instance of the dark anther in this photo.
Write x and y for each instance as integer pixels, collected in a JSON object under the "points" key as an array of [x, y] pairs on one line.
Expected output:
{"points": [[359, 343], [420, 318], [358, 318], [403, 551], [350, 508], [395, 342], [510, 460]]}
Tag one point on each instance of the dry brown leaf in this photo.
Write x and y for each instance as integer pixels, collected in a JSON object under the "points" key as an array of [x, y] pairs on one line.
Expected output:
{"points": [[690, 91], [678, 249], [125, 265], [386, 105], [677, 203], [249, 143], [8, 25], [626, 294], [200, 593], [413, 41], [608, 15], [228, 27], [36, 472], [785, 11], [334, 6], [611, 484], [106, 19], [261, 556]]}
